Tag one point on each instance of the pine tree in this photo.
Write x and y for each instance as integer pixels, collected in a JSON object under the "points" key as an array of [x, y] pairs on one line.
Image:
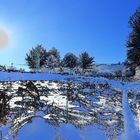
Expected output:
{"points": [[53, 51], [133, 43], [70, 61], [85, 60], [52, 62], [36, 58], [53, 58]]}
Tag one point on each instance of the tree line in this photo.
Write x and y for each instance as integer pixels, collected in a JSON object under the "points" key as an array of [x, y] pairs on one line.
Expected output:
{"points": [[38, 57]]}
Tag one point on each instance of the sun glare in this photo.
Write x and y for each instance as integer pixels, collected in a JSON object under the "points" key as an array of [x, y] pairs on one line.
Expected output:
{"points": [[4, 38], [6, 35]]}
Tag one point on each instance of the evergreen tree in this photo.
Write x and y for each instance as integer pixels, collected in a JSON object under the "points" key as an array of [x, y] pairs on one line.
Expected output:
{"points": [[53, 51], [85, 60], [52, 62], [70, 61], [53, 58], [36, 58], [133, 43]]}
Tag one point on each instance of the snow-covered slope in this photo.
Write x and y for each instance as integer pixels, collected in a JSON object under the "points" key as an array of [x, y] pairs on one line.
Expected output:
{"points": [[109, 68]]}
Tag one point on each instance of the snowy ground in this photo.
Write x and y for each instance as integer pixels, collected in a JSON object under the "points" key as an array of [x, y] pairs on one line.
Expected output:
{"points": [[16, 76], [79, 103]]}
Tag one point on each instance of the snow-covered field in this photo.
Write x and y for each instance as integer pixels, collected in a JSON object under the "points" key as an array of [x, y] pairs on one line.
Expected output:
{"points": [[81, 104], [17, 76]]}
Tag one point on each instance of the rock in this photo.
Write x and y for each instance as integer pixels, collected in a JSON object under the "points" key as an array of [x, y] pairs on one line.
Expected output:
{"points": [[137, 74]]}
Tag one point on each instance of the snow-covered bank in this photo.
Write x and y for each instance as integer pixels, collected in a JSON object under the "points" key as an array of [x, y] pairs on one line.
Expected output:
{"points": [[130, 127], [17, 76]]}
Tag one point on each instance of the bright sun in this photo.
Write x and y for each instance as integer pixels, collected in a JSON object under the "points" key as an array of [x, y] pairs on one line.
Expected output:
{"points": [[4, 38]]}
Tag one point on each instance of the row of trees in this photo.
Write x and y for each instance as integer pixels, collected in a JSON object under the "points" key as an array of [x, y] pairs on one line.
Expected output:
{"points": [[38, 58]]}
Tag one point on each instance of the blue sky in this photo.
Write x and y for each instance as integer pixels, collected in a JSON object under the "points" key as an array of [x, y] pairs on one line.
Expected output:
{"points": [[97, 26]]}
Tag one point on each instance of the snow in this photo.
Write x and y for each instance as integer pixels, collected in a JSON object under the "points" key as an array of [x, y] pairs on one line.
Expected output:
{"points": [[104, 103], [67, 131], [15, 76], [59, 101], [13, 101], [109, 68], [131, 130], [138, 116]]}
